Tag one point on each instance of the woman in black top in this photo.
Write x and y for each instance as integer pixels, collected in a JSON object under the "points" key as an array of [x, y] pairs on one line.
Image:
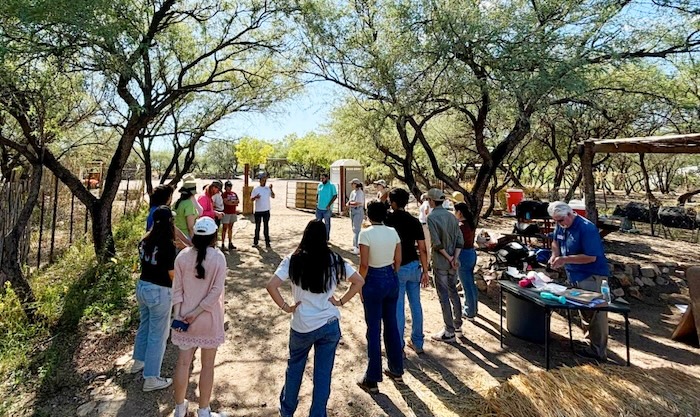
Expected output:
{"points": [[153, 293]]}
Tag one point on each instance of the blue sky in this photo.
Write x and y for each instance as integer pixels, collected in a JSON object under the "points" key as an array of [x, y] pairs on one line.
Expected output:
{"points": [[302, 114]]}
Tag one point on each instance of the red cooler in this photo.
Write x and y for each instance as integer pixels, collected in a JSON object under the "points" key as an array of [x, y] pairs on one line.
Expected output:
{"points": [[513, 197], [579, 207]]}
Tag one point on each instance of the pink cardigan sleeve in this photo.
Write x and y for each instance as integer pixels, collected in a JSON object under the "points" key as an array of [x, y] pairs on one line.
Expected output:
{"points": [[211, 301], [177, 283], [207, 206]]}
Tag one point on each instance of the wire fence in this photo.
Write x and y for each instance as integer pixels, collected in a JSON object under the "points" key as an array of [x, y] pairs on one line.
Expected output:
{"points": [[59, 219]]}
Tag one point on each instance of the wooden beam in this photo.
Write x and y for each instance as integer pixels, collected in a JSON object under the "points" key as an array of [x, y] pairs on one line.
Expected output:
{"points": [[645, 147]]}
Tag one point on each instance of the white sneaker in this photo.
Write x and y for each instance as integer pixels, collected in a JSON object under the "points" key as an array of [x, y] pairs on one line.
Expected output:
{"points": [[206, 412], [156, 383], [181, 409], [136, 367], [355, 251], [443, 336]]}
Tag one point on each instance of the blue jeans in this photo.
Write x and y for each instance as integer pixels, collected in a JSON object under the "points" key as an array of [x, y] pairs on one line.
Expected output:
{"points": [[467, 261], [155, 303], [324, 341], [357, 216], [409, 284], [325, 215], [380, 294]]}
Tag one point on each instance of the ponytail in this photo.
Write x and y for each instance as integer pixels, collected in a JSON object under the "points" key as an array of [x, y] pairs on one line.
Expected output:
{"points": [[201, 243], [184, 195]]}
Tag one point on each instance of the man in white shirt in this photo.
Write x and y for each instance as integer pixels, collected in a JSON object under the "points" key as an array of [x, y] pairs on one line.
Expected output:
{"points": [[261, 197]]}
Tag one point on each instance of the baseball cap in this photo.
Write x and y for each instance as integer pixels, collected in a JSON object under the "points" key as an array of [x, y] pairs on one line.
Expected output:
{"points": [[228, 184], [436, 194], [355, 181], [205, 226], [381, 182]]}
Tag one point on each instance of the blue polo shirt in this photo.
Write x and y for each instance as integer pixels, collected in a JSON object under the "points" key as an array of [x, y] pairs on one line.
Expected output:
{"points": [[582, 238], [325, 193]]}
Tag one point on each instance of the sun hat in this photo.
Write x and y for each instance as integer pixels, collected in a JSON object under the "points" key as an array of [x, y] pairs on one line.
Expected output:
{"points": [[380, 182], [355, 181], [457, 197], [436, 194], [205, 226], [189, 183], [162, 214], [217, 183]]}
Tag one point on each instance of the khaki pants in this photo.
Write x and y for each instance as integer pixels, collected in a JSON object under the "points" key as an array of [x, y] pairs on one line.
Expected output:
{"points": [[595, 323]]}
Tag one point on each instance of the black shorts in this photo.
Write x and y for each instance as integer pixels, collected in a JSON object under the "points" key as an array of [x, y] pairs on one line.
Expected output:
{"points": [[218, 222]]}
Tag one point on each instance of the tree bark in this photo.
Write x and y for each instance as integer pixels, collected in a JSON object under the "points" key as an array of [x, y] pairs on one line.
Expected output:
{"points": [[10, 266]]}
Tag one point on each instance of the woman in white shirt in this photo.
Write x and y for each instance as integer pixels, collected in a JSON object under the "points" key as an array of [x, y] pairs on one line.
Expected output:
{"points": [[314, 271], [356, 202], [380, 259]]}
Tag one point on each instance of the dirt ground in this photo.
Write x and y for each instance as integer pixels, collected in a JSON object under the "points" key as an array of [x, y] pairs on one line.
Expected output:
{"points": [[250, 365]]}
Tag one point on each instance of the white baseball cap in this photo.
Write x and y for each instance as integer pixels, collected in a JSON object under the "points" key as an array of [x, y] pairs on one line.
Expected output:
{"points": [[205, 226]]}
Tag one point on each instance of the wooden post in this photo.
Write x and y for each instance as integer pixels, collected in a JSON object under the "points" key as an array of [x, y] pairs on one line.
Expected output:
{"points": [[246, 191], [588, 181], [53, 221]]}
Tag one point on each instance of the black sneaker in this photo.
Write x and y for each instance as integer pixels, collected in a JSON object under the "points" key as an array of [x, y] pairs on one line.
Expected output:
{"points": [[267, 245], [255, 245], [393, 376], [368, 386], [230, 246]]}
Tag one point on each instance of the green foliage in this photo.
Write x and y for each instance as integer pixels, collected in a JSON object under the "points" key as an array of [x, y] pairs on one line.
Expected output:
{"points": [[73, 292], [220, 157], [314, 152], [253, 151]]}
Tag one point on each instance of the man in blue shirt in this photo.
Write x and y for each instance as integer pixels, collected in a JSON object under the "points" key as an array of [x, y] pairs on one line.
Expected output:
{"points": [[578, 247], [326, 194]]}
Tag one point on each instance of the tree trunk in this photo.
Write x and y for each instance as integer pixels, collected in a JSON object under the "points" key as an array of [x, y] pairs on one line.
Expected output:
{"points": [[10, 266], [574, 185], [102, 238], [148, 170]]}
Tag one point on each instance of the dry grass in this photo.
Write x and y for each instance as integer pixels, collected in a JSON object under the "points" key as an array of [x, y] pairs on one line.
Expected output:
{"points": [[590, 391]]}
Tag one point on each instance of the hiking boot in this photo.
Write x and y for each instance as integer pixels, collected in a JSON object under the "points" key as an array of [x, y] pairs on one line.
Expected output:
{"points": [[394, 376], [181, 409], [414, 348], [136, 367], [444, 336], [368, 386], [230, 246], [156, 383]]}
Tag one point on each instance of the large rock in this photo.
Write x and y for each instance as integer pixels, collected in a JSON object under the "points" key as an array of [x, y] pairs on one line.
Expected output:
{"points": [[618, 292], [625, 280], [649, 282], [86, 409], [632, 270], [661, 281], [649, 271], [639, 282], [634, 292]]}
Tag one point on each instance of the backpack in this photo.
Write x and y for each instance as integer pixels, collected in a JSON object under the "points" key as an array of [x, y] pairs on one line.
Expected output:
{"points": [[526, 229], [531, 209]]}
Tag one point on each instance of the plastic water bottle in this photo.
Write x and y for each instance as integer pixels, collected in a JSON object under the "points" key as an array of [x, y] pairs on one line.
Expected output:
{"points": [[605, 290]]}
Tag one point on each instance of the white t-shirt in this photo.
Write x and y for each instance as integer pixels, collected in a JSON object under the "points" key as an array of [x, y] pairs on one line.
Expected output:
{"points": [[218, 201], [263, 203], [358, 196], [422, 216], [315, 310], [382, 242]]}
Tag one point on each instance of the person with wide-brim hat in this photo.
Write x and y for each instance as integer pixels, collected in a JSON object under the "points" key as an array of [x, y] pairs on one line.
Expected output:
{"points": [[382, 190], [186, 208]]}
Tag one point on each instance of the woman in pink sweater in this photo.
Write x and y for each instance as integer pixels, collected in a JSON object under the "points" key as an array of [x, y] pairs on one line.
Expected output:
{"points": [[198, 300]]}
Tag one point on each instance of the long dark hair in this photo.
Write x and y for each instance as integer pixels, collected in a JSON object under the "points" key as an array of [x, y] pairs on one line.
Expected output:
{"points": [[466, 214], [184, 195], [314, 266], [201, 243], [163, 231]]}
